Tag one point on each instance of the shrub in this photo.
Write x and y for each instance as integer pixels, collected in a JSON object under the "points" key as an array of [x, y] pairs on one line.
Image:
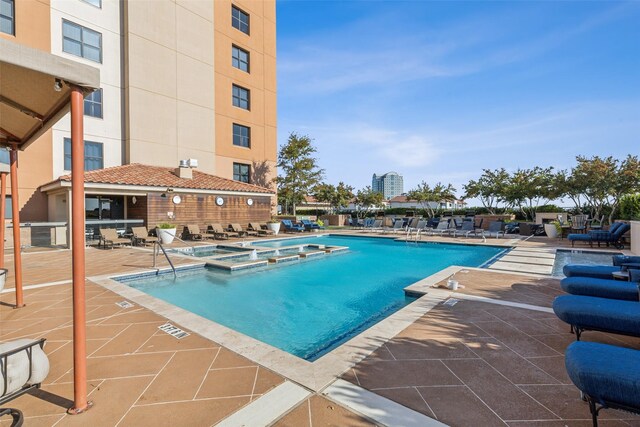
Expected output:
{"points": [[630, 206], [165, 226]]}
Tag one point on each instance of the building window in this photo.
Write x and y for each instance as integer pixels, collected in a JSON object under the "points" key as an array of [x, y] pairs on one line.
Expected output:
{"points": [[240, 58], [4, 156], [93, 155], [7, 16], [96, 3], [81, 41], [241, 172], [93, 104], [240, 20], [240, 97], [104, 207], [241, 136]]}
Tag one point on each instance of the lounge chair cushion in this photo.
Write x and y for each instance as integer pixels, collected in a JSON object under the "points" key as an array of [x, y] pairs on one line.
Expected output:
{"points": [[598, 271], [604, 372], [617, 316], [602, 288], [18, 366]]}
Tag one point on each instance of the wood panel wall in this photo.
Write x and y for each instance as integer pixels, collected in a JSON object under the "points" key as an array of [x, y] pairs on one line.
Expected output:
{"points": [[201, 209], [137, 210]]}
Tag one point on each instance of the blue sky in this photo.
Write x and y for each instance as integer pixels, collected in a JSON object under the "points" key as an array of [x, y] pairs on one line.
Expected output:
{"points": [[437, 91]]}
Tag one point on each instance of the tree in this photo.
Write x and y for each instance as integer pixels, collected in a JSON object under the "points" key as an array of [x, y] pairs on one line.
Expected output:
{"points": [[367, 199], [430, 198], [299, 171], [604, 181], [526, 189], [337, 196], [489, 188]]}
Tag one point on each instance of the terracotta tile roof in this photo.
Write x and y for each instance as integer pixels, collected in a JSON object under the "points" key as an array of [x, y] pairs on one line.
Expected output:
{"points": [[158, 176], [400, 199]]}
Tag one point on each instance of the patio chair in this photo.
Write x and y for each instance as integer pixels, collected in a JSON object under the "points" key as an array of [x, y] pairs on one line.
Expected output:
{"points": [[600, 271], [398, 226], [603, 288], [219, 232], [496, 228], [141, 235], [584, 313], [261, 229], [237, 228], [611, 237], [604, 384], [467, 228], [109, 236], [192, 232], [311, 225], [374, 225], [290, 227], [579, 223], [441, 228]]}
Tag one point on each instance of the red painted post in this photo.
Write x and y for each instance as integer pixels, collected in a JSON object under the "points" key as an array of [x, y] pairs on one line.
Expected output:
{"points": [[80, 403], [3, 214], [15, 209]]}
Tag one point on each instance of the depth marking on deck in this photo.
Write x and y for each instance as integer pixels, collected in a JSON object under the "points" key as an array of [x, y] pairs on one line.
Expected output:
{"points": [[124, 304], [174, 331]]}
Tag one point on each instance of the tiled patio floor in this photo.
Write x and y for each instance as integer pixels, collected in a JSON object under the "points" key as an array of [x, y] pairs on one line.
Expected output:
{"points": [[137, 374], [482, 364], [474, 363]]}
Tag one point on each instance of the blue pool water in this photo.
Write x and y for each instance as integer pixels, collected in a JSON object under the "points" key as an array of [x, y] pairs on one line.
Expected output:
{"points": [[309, 308], [564, 257]]}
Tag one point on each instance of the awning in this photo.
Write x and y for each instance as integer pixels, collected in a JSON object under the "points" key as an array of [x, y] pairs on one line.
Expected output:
{"points": [[29, 103]]}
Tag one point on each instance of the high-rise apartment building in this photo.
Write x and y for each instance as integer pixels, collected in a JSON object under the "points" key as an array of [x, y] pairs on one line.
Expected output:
{"points": [[389, 184], [180, 79]]}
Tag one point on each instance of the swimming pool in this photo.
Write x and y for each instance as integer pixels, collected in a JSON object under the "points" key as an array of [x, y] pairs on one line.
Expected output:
{"points": [[576, 256], [308, 308]]}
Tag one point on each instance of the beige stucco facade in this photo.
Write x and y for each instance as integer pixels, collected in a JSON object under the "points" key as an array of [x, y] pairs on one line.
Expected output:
{"points": [[166, 75], [260, 80], [169, 82]]}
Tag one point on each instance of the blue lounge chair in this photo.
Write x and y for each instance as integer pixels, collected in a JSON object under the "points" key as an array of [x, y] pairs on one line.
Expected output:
{"points": [[598, 314], [311, 225], [290, 227], [608, 376], [603, 288], [599, 271], [610, 237]]}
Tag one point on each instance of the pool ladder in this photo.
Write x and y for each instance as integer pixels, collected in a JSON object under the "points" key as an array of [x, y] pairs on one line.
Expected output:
{"points": [[155, 251]]}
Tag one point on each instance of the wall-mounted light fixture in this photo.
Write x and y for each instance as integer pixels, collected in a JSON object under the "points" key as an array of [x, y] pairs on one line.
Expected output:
{"points": [[134, 200], [57, 86]]}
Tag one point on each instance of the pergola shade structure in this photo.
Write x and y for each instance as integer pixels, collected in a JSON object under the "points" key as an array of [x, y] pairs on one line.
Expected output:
{"points": [[29, 103], [36, 90]]}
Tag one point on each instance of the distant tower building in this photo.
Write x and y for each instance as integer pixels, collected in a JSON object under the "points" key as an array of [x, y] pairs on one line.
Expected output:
{"points": [[390, 184]]}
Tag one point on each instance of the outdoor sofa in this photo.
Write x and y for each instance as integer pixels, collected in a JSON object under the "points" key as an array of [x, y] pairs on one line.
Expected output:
{"points": [[290, 227]]}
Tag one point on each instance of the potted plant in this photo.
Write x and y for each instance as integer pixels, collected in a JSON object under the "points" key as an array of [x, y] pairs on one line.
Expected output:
{"points": [[166, 232], [274, 225], [553, 229]]}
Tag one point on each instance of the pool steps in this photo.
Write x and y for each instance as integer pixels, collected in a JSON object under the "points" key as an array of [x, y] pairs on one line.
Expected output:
{"points": [[246, 257]]}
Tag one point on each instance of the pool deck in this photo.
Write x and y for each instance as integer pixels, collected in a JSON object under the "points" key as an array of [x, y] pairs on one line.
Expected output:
{"points": [[489, 354]]}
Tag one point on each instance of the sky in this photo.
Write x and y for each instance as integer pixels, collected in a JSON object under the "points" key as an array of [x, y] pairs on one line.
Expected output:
{"points": [[440, 90]]}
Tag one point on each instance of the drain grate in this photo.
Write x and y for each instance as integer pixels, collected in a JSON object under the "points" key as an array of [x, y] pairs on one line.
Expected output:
{"points": [[451, 302], [174, 331]]}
